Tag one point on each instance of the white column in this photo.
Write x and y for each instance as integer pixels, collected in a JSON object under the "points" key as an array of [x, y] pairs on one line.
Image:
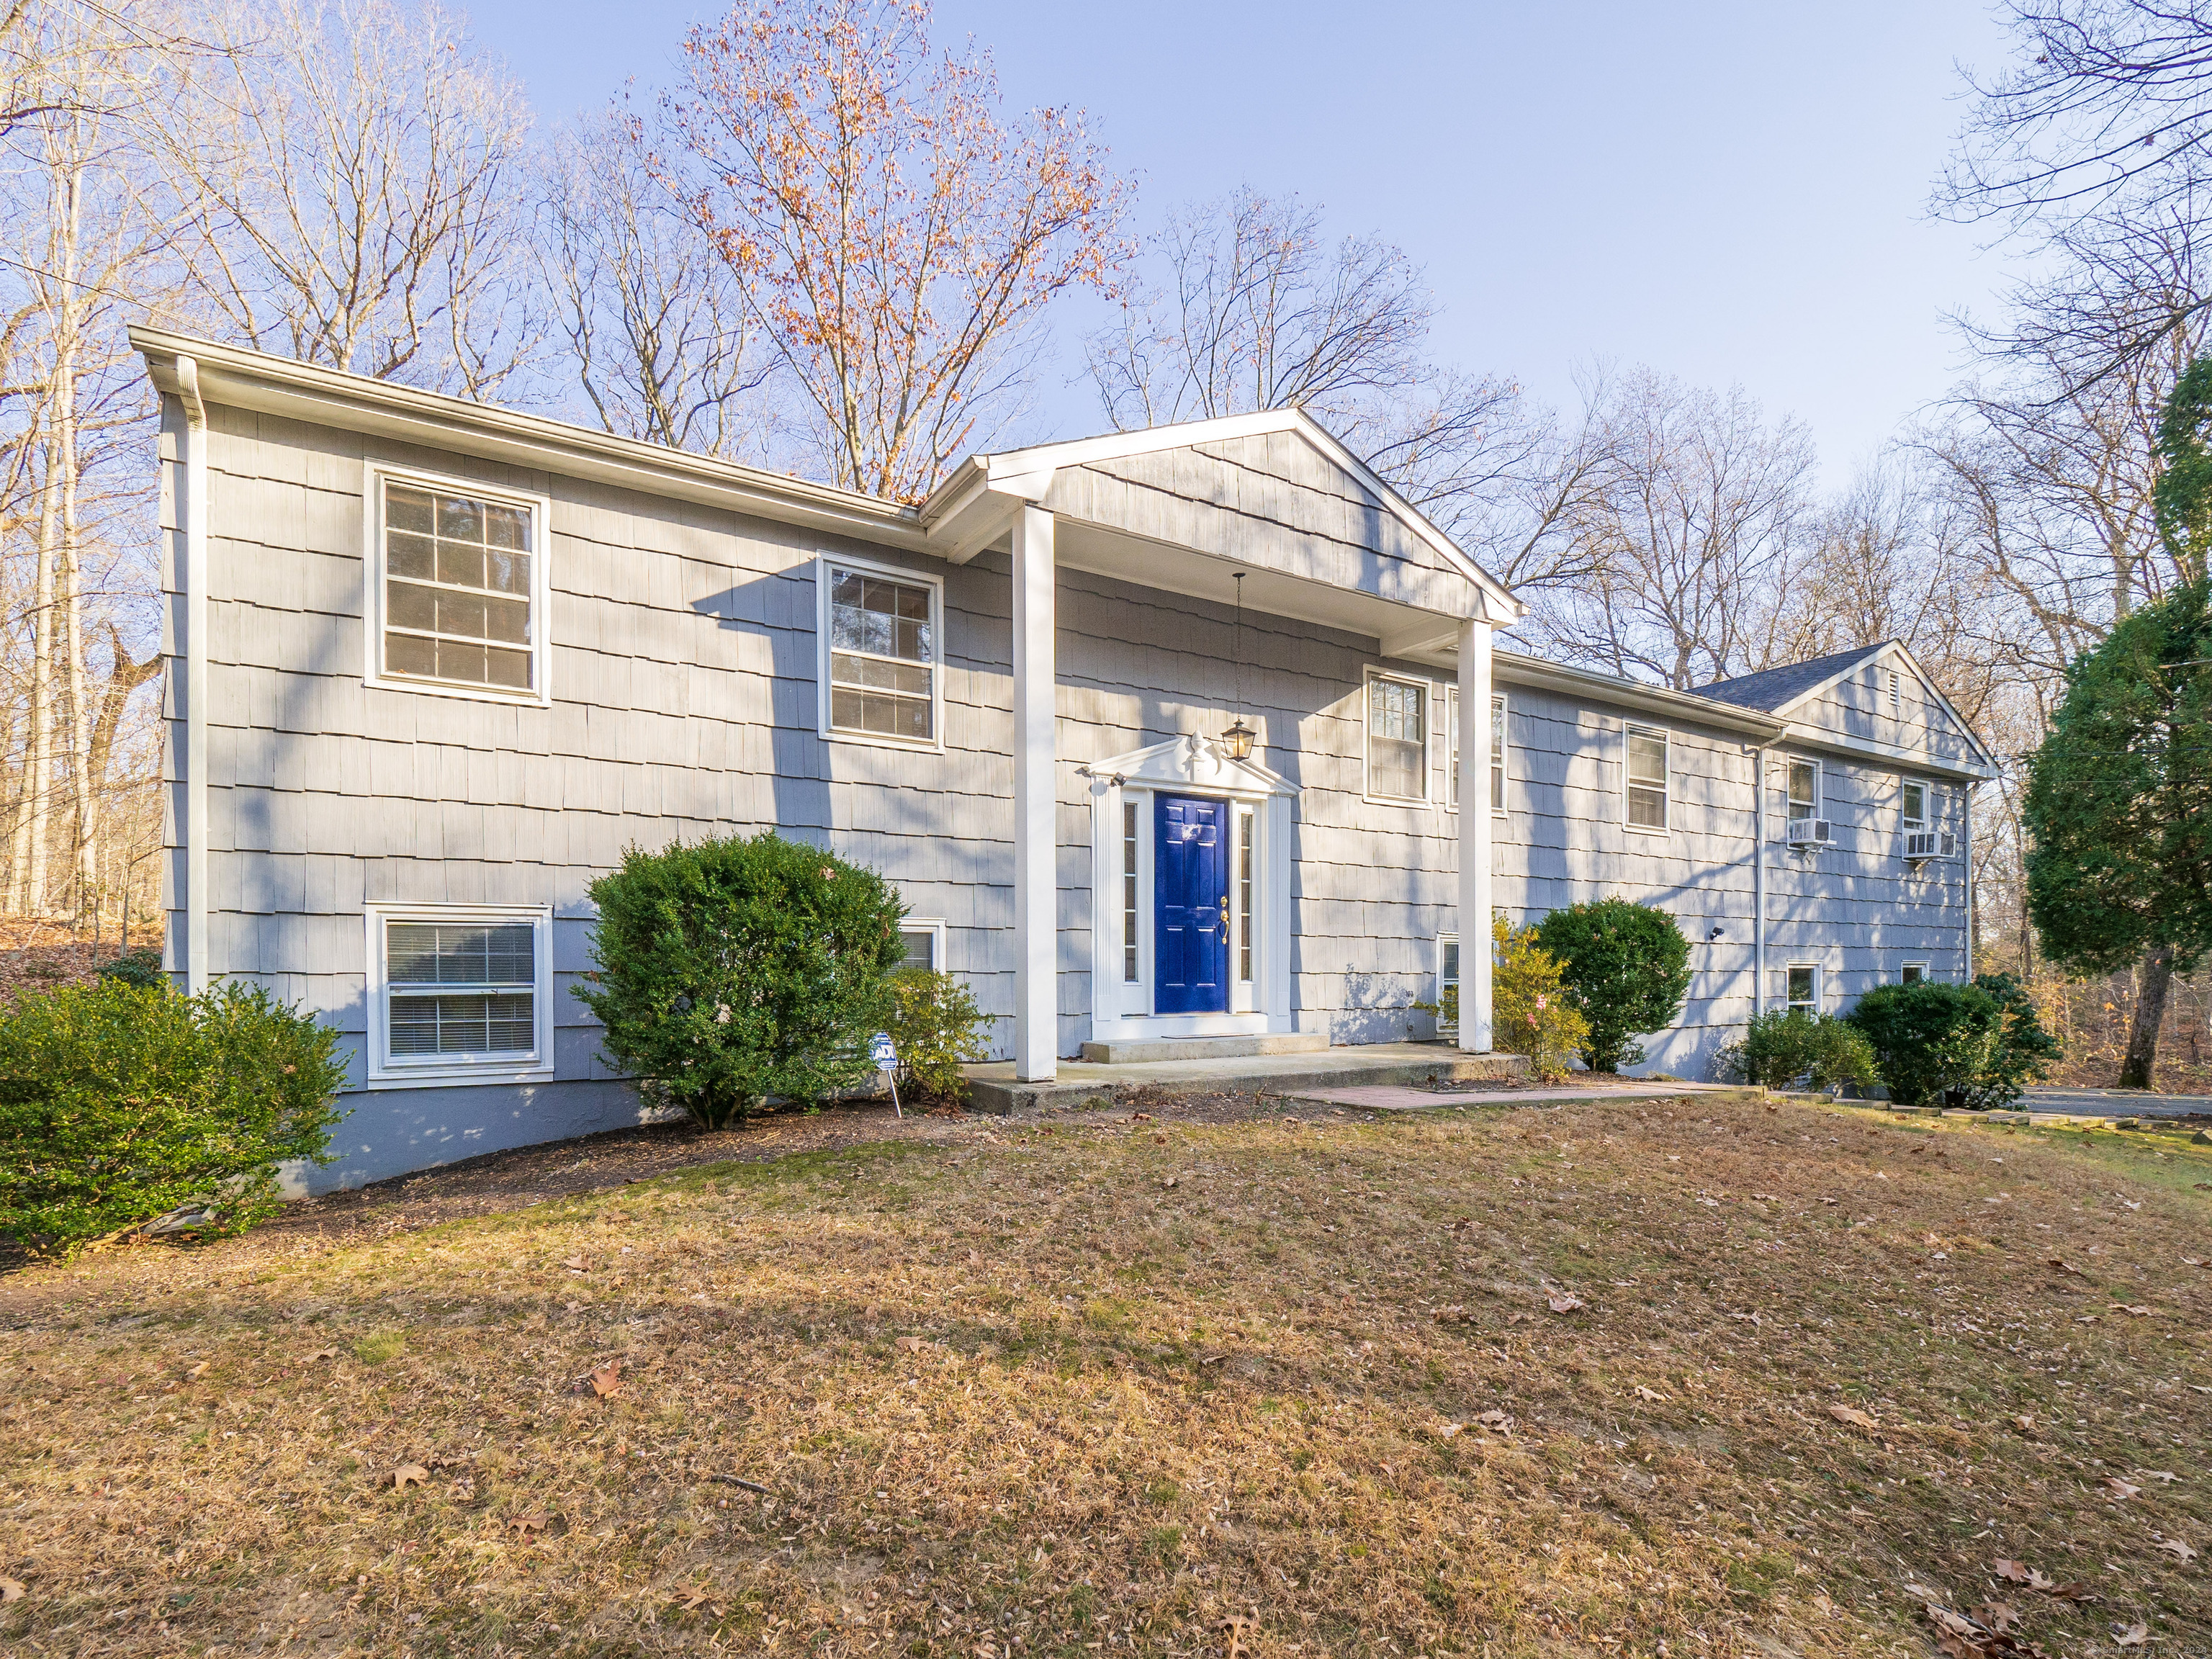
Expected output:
{"points": [[1474, 899], [1037, 939]]}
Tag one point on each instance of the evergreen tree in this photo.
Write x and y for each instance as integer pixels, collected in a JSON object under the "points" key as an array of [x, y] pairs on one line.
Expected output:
{"points": [[2118, 805]]}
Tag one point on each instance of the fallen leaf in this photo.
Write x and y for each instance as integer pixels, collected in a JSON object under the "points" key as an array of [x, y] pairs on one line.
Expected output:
{"points": [[319, 1355], [574, 1264], [1561, 1305], [1642, 1393], [2025, 1424], [1999, 1616], [526, 1524], [2134, 1635], [1495, 1420], [1447, 1429], [2177, 1549], [199, 1369], [407, 1472], [2120, 1488], [13, 1589], [1951, 1624], [607, 1378], [2064, 1266], [1852, 1415], [2125, 1308], [2076, 1591], [2013, 1572], [2166, 1475], [1170, 1180], [912, 1344]]}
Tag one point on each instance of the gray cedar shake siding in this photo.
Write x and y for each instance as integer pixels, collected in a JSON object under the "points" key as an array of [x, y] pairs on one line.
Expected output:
{"points": [[682, 668]]}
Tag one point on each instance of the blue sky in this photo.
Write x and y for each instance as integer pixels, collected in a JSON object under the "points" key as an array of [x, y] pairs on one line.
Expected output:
{"points": [[1734, 193]]}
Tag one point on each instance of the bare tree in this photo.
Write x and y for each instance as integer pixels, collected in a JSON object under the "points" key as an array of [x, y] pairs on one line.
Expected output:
{"points": [[1254, 306], [349, 180], [656, 326], [1701, 505], [898, 240]]}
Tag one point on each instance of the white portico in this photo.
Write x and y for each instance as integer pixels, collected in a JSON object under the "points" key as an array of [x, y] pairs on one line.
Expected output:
{"points": [[1192, 913]]}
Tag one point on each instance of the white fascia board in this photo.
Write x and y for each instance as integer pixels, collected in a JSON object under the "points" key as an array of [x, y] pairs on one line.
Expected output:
{"points": [[353, 403], [1043, 458], [1511, 667], [1910, 760], [1896, 650]]}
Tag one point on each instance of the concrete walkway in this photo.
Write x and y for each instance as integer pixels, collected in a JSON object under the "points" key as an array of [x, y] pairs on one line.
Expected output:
{"points": [[993, 1087], [1404, 1099]]}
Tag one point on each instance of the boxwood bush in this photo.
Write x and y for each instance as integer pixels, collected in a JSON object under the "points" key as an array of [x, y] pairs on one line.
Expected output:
{"points": [[1627, 968], [733, 970], [123, 1104], [1975, 1045]]}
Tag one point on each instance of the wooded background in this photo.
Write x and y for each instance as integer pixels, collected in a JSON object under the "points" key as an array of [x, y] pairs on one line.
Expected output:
{"points": [[829, 247]]}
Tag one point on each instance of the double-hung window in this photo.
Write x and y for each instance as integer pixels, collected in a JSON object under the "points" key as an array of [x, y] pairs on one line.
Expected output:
{"points": [[881, 654], [457, 588], [459, 994], [1913, 805], [1647, 778], [1397, 738], [1803, 986], [1804, 790], [1497, 754]]}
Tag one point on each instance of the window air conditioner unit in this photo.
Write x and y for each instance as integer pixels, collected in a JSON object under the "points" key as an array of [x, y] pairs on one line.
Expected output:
{"points": [[1921, 844], [1808, 832]]}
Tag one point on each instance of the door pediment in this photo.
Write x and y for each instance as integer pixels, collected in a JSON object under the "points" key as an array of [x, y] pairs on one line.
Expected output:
{"points": [[1192, 762]]}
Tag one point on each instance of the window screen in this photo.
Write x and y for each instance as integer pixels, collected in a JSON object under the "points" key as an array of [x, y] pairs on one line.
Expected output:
{"points": [[1804, 987], [1804, 790], [1647, 778], [459, 989], [883, 655], [1914, 800], [456, 589], [1397, 740]]}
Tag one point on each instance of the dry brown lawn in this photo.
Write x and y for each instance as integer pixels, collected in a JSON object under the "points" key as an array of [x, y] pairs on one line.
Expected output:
{"points": [[1084, 1385]]}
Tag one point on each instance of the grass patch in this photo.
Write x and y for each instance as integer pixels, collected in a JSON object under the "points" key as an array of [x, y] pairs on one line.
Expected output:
{"points": [[1016, 1389]]}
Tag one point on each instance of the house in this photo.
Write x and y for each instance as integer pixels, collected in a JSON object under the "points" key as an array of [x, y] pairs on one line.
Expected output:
{"points": [[1155, 734]]}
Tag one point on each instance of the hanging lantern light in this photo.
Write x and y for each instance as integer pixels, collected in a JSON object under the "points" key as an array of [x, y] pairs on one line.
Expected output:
{"points": [[1237, 742]]}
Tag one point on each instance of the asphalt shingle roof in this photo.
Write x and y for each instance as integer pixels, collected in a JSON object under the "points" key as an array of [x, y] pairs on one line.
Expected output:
{"points": [[1775, 687]]}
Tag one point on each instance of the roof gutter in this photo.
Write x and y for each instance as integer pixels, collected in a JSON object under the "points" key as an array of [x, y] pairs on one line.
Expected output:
{"points": [[1510, 666]]}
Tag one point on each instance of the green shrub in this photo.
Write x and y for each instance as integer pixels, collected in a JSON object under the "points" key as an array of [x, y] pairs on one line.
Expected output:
{"points": [[2023, 1052], [732, 971], [120, 1103], [937, 1028], [1975, 1046], [140, 965], [1626, 967], [1781, 1046]]}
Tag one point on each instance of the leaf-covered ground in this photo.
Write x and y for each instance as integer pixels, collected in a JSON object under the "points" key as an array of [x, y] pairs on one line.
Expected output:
{"points": [[1082, 1385]]}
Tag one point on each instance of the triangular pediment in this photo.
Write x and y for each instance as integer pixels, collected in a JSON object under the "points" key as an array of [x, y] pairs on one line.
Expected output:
{"points": [[1192, 762]]}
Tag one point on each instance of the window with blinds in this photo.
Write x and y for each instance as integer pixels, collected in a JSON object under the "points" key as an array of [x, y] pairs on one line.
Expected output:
{"points": [[460, 991]]}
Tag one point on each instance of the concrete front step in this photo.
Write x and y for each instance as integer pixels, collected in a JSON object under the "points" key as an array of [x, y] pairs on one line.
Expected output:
{"points": [[1139, 1052], [993, 1087]]}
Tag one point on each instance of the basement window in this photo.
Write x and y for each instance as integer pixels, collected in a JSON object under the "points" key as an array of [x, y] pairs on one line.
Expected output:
{"points": [[460, 995]]}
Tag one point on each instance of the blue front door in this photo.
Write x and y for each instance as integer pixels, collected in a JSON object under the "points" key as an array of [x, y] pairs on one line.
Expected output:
{"points": [[1190, 905]]}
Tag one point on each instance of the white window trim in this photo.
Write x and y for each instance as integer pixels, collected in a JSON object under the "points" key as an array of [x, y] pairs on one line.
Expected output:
{"points": [[1927, 970], [384, 1073], [1429, 739], [1814, 967], [1502, 710], [1927, 818], [1819, 784], [935, 743], [1439, 981], [375, 475], [1628, 728], [934, 927]]}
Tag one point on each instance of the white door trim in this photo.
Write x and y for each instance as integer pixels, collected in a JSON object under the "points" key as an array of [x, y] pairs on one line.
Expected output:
{"points": [[1192, 765]]}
